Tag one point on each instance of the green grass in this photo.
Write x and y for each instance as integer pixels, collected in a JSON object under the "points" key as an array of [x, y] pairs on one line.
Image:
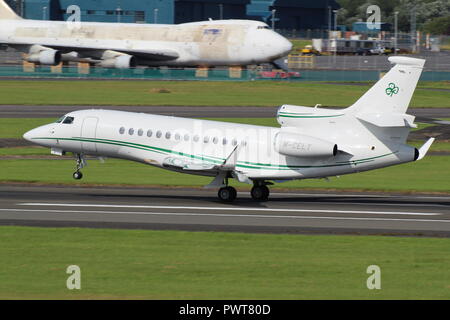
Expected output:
{"points": [[26, 151], [299, 44], [434, 85], [193, 93], [134, 264], [428, 175], [15, 127]]}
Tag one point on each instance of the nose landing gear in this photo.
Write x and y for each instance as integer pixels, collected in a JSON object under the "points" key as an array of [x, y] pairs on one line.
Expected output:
{"points": [[81, 163]]}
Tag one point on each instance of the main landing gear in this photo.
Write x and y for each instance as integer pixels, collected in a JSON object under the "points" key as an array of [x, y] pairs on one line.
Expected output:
{"points": [[259, 192], [227, 193], [81, 163]]}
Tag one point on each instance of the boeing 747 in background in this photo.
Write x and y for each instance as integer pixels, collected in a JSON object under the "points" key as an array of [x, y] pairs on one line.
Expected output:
{"points": [[311, 142], [126, 45]]}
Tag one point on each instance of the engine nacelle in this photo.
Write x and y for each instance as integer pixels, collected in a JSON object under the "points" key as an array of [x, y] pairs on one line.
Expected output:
{"points": [[120, 62], [48, 57], [299, 145]]}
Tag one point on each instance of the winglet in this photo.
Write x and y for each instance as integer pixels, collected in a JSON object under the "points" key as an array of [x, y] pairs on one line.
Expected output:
{"points": [[424, 149]]}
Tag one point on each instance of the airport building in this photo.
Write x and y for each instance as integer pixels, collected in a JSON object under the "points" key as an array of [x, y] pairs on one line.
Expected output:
{"points": [[294, 14], [289, 14]]}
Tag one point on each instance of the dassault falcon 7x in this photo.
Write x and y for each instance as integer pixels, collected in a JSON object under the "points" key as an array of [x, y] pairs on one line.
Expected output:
{"points": [[311, 142], [126, 45]]}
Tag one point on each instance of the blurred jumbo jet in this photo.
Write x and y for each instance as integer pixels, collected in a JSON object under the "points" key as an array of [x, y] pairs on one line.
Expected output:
{"points": [[311, 142], [125, 45]]}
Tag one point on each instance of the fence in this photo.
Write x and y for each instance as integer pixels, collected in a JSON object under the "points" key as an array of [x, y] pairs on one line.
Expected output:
{"points": [[205, 75]]}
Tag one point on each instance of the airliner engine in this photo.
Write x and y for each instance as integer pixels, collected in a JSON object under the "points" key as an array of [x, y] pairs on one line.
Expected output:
{"points": [[48, 57], [299, 145], [124, 61]]}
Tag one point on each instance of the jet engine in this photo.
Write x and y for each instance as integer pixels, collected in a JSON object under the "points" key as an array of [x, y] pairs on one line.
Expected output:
{"points": [[48, 57], [299, 145], [124, 61]]}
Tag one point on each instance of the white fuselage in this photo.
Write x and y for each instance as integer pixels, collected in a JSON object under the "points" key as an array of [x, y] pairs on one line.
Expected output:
{"points": [[207, 43], [152, 139]]}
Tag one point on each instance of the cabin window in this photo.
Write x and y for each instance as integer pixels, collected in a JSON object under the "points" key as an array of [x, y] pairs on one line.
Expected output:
{"points": [[131, 131], [122, 130], [206, 139], [186, 137], [196, 138], [234, 142], [140, 132], [149, 133], [168, 135], [215, 140], [224, 141], [158, 134], [68, 120], [177, 136]]}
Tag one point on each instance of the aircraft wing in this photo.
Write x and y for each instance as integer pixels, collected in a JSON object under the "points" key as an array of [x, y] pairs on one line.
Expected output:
{"points": [[147, 54], [229, 164], [180, 163], [96, 51]]}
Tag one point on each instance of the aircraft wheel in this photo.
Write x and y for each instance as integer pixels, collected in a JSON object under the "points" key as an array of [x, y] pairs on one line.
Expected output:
{"points": [[260, 193], [227, 194], [77, 175]]}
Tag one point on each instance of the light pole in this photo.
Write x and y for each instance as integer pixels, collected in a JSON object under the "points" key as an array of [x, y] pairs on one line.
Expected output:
{"points": [[335, 33], [44, 13], [221, 11], [335, 19], [119, 14], [273, 18], [395, 31], [155, 15]]}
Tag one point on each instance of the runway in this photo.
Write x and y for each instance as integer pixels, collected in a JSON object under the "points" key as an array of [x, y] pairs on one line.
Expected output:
{"points": [[200, 210], [13, 111]]}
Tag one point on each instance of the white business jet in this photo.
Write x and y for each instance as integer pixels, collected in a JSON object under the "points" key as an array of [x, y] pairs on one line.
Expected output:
{"points": [[126, 45], [311, 142]]}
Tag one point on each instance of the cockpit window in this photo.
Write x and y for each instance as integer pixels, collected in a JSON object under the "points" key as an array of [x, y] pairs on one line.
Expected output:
{"points": [[60, 119], [263, 27], [68, 120]]}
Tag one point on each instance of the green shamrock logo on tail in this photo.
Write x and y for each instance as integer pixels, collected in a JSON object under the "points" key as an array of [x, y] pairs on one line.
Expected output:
{"points": [[392, 89]]}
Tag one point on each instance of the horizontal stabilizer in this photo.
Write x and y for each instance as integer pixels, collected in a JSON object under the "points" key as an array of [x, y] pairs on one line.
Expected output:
{"points": [[424, 149], [388, 119]]}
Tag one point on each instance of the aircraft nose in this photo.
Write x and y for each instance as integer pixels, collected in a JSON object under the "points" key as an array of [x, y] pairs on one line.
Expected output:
{"points": [[284, 45], [32, 134], [28, 135]]}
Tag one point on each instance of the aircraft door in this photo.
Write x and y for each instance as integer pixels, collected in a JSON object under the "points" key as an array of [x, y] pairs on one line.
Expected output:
{"points": [[89, 131]]}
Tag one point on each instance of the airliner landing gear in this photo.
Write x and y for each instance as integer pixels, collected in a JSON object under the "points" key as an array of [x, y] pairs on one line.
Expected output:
{"points": [[81, 163], [260, 192], [77, 175], [227, 194]]}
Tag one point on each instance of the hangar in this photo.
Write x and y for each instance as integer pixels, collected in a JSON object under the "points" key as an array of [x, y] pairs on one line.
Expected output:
{"points": [[294, 14], [290, 14]]}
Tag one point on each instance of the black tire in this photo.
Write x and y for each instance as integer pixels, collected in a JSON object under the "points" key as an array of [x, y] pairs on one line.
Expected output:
{"points": [[77, 175], [227, 194], [260, 193]]}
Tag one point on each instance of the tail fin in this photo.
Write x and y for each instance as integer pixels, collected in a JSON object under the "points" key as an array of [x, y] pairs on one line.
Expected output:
{"points": [[6, 13], [393, 92]]}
